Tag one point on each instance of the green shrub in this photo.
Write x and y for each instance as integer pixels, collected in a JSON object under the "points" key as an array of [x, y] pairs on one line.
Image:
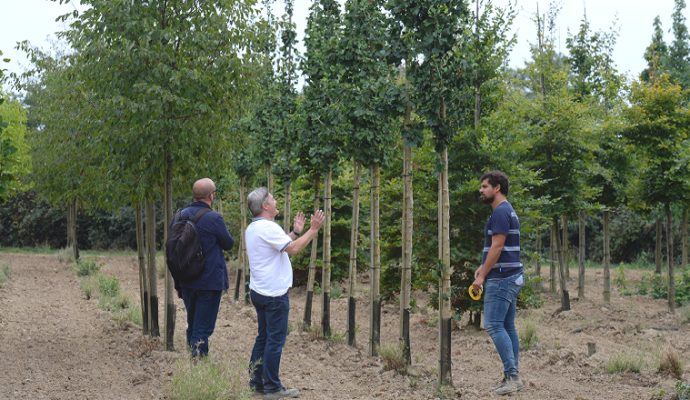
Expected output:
{"points": [[393, 357], [86, 267], [4, 274], [530, 295], [208, 380], [115, 303], [624, 362], [528, 335], [619, 278]]}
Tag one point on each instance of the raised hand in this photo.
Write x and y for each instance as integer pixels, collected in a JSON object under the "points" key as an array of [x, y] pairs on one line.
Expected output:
{"points": [[298, 224]]}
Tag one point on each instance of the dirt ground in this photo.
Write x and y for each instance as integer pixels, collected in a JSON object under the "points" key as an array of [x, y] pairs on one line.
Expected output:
{"points": [[55, 344]]}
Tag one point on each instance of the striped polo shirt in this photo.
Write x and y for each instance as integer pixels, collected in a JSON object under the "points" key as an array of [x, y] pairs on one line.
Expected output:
{"points": [[504, 220]]}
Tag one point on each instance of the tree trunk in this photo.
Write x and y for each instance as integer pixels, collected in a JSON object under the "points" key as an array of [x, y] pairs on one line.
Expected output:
{"points": [[375, 265], [581, 256], [657, 247], [607, 259], [565, 296], [269, 178], [143, 277], [445, 376], [286, 210], [352, 272], [566, 245], [241, 252], [552, 263], [669, 256], [151, 258], [72, 242], [684, 239], [539, 251], [406, 273], [312, 260], [170, 309], [326, 268]]}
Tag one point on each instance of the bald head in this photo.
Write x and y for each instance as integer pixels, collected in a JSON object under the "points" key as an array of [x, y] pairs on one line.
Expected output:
{"points": [[203, 188]]}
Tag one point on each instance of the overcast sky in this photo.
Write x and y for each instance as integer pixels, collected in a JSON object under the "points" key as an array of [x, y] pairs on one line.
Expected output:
{"points": [[34, 20]]}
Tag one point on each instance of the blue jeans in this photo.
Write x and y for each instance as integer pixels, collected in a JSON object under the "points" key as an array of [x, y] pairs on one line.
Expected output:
{"points": [[272, 316], [202, 310], [500, 301]]}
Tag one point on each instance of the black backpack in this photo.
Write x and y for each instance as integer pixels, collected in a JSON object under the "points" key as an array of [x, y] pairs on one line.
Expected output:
{"points": [[183, 252]]}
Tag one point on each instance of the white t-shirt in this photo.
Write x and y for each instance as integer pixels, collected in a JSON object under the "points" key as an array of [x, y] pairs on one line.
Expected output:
{"points": [[269, 264]]}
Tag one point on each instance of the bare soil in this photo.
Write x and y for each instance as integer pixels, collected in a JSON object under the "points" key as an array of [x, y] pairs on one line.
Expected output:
{"points": [[55, 344]]}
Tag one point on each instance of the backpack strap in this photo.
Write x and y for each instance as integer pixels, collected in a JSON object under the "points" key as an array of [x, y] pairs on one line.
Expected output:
{"points": [[200, 214]]}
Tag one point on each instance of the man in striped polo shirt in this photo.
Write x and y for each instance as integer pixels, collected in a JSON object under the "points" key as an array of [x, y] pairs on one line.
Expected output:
{"points": [[501, 274]]}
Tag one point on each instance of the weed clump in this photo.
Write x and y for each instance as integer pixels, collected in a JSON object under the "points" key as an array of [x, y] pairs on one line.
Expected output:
{"points": [[393, 357], [528, 335], [670, 363], [208, 379], [530, 295], [86, 267], [624, 362]]}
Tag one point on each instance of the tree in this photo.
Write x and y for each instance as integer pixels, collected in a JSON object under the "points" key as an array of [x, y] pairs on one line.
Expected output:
{"points": [[15, 161], [656, 54], [679, 52], [168, 78], [368, 85], [324, 118], [595, 83], [658, 120], [556, 136]]}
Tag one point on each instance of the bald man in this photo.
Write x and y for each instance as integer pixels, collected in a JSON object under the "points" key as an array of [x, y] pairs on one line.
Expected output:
{"points": [[202, 295]]}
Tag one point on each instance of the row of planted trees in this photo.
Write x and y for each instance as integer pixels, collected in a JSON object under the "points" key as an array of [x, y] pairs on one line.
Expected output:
{"points": [[151, 96]]}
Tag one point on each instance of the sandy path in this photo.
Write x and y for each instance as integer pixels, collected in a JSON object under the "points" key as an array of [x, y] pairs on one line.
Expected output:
{"points": [[56, 345]]}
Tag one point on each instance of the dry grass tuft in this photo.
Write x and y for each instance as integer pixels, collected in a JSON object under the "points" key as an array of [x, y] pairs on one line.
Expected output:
{"points": [[208, 379], [393, 357], [670, 363]]}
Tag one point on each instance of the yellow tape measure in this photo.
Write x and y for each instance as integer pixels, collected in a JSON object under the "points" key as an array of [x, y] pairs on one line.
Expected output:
{"points": [[475, 294]]}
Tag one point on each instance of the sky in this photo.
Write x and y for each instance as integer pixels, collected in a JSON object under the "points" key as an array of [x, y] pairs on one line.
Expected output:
{"points": [[34, 20]]}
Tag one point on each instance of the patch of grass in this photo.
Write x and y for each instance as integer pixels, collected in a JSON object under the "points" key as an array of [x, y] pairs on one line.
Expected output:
{"points": [[108, 286], [336, 291], [670, 363], [65, 255], [86, 267], [393, 357], [624, 362], [528, 335], [28, 250], [209, 379], [130, 314], [89, 287], [5, 273], [683, 391]]}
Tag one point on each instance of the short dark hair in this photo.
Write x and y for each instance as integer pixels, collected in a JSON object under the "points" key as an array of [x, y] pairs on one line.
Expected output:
{"points": [[496, 178]]}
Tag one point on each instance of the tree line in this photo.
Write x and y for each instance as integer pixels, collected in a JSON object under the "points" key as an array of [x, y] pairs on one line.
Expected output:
{"points": [[148, 96]]}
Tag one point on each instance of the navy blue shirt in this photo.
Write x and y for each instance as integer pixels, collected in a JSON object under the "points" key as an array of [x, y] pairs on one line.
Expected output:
{"points": [[213, 238], [504, 220]]}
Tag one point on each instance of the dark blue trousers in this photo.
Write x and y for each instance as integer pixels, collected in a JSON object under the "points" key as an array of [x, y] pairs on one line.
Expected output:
{"points": [[272, 315], [202, 311]]}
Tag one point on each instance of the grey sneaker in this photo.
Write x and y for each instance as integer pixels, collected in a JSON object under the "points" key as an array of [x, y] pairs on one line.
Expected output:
{"points": [[499, 384], [512, 384], [282, 394]]}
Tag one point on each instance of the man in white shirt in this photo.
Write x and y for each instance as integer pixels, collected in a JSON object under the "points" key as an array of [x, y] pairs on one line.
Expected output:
{"points": [[268, 248]]}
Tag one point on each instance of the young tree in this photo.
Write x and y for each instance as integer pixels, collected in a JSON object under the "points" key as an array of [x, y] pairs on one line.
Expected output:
{"points": [[369, 89], [658, 126], [324, 117]]}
